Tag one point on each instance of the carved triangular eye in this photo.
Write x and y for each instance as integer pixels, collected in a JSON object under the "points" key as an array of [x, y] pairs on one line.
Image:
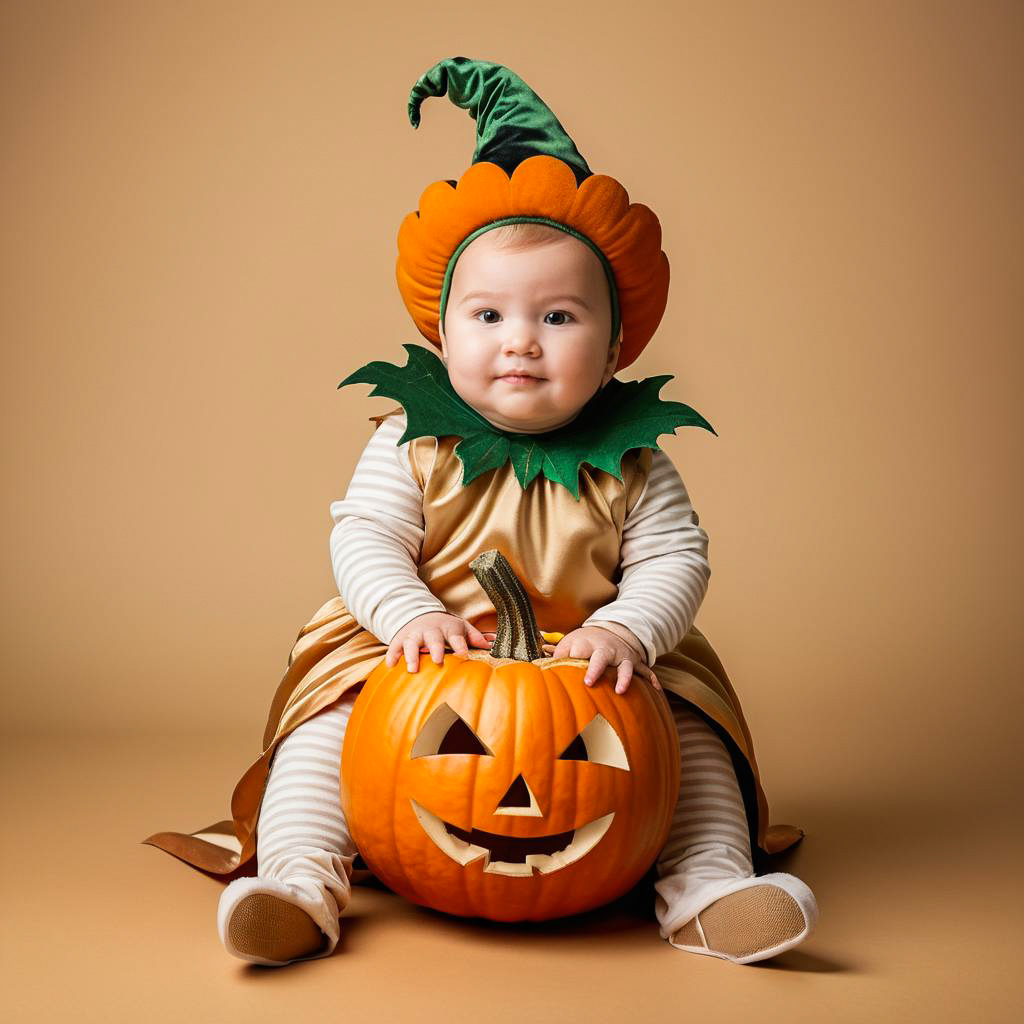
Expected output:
{"points": [[576, 751], [460, 739], [599, 744], [445, 732]]}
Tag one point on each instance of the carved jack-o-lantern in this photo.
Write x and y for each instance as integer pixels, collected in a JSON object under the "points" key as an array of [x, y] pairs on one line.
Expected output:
{"points": [[500, 785]]}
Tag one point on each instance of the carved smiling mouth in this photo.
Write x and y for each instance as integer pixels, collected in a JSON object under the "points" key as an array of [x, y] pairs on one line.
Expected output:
{"points": [[505, 855]]}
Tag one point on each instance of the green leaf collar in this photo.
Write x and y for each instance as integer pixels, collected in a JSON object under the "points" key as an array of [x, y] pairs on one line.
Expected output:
{"points": [[620, 417]]}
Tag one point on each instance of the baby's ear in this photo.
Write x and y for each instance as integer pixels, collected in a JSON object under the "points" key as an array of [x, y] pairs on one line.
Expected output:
{"points": [[613, 359]]}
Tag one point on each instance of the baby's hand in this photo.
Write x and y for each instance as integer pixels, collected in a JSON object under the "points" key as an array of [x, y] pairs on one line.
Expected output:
{"points": [[432, 630], [607, 648]]}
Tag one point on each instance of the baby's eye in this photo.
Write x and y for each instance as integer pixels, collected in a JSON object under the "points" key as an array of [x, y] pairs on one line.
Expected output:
{"points": [[558, 312], [485, 312]]}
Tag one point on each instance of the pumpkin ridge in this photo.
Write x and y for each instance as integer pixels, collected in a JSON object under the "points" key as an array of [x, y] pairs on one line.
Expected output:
{"points": [[576, 781], [420, 706], [616, 713], [513, 730], [396, 773], [530, 744], [546, 744], [479, 697]]}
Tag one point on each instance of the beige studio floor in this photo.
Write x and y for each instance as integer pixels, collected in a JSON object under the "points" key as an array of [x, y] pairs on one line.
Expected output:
{"points": [[98, 927]]}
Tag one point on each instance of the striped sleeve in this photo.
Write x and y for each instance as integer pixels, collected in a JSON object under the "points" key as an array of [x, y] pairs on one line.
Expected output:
{"points": [[377, 535], [664, 562]]}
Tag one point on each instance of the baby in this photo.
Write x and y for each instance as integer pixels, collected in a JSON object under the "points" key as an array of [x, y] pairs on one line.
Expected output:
{"points": [[533, 318]]}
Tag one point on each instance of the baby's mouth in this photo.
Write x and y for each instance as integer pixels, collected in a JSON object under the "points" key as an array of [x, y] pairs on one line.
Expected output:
{"points": [[506, 855]]}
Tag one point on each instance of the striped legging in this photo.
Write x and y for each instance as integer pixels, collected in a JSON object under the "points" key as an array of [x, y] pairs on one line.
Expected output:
{"points": [[303, 839]]}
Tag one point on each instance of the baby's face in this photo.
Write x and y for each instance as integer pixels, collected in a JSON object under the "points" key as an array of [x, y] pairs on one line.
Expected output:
{"points": [[526, 331]]}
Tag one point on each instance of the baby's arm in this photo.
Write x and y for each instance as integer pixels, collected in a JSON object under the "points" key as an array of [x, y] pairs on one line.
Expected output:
{"points": [[375, 548], [377, 536], [664, 560]]}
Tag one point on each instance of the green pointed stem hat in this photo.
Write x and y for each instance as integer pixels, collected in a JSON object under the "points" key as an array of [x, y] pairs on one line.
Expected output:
{"points": [[512, 121]]}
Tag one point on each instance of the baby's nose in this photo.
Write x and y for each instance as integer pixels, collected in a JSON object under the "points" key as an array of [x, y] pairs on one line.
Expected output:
{"points": [[522, 339]]}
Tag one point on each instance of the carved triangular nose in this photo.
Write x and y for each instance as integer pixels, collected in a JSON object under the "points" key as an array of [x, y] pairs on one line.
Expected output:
{"points": [[518, 794], [519, 800]]}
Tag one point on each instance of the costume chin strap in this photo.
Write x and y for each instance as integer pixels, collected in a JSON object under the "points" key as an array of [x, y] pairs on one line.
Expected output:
{"points": [[512, 121]]}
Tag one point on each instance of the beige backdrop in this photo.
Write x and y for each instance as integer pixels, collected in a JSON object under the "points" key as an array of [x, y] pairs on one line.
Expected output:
{"points": [[200, 203]]}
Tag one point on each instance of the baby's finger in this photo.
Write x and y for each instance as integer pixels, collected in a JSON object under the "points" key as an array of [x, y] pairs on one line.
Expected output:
{"points": [[411, 647], [625, 676], [458, 643], [598, 663], [434, 639], [646, 672], [581, 648], [476, 638]]}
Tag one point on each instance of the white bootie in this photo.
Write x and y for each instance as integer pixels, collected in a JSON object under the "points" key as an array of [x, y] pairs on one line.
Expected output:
{"points": [[268, 922], [751, 919]]}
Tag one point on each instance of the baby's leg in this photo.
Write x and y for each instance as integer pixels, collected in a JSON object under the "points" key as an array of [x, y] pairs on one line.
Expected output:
{"points": [[304, 852], [708, 899]]}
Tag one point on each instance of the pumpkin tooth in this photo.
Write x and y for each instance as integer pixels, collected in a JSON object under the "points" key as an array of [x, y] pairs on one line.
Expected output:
{"points": [[585, 839], [457, 849]]}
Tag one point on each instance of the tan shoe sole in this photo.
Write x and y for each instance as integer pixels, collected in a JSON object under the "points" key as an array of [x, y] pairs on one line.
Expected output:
{"points": [[751, 924], [273, 929]]}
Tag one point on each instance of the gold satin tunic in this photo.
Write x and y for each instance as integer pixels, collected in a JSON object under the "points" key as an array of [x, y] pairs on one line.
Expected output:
{"points": [[565, 552]]}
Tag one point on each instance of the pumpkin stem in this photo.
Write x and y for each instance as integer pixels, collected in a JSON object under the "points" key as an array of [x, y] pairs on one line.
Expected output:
{"points": [[517, 635]]}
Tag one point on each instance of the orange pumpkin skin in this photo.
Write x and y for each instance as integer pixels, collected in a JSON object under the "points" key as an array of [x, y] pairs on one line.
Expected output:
{"points": [[526, 714]]}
